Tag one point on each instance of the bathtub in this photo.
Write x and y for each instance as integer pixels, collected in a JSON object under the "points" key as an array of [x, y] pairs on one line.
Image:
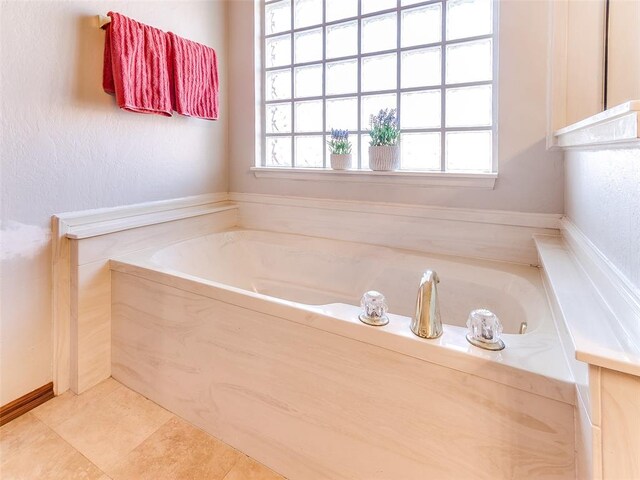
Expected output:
{"points": [[254, 336]]}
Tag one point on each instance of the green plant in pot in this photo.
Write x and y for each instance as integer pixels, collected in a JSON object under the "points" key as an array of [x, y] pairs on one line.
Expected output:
{"points": [[384, 148], [340, 147]]}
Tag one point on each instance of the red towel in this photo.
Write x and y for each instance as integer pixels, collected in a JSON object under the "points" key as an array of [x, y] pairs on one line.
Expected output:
{"points": [[195, 75], [136, 66]]}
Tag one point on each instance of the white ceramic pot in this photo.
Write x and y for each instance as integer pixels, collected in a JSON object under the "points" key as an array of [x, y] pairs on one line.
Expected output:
{"points": [[384, 158], [341, 161]]}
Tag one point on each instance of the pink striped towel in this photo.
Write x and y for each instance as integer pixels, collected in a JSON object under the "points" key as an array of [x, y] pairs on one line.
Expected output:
{"points": [[195, 75], [136, 66]]}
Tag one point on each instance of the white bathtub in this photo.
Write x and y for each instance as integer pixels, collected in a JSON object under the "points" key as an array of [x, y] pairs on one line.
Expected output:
{"points": [[315, 271], [254, 337]]}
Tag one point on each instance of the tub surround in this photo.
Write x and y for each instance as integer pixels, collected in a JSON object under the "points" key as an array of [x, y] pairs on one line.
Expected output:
{"points": [[490, 234], [83, 242], [598, 335], [533, 362], [313, 404], [262, 395], [600, 261], [100, 301], [593, 275], [603, 356]]}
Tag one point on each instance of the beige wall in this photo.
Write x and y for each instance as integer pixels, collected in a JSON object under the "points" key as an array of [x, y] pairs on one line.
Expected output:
{"points": [[66, 146], [530, 177]]}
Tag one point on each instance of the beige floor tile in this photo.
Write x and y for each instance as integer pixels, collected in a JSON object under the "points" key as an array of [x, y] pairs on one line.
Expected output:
{"points": [[248, 469], [177, 451], [63, 407], [30, 450], [107, 429]]}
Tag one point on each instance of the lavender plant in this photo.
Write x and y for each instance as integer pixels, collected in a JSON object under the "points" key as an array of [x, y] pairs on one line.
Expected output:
{"points": [[339, 143], [383, 128]]}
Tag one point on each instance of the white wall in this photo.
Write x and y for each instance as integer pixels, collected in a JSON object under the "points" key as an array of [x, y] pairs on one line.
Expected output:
{"points": [[530, 178], [66, 146], [603, 200]]}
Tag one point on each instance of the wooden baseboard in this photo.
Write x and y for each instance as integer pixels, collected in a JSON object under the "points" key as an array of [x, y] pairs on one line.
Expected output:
{"points": [[22, 405]]}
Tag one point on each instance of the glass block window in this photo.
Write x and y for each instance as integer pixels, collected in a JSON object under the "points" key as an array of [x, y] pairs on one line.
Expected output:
{"points": [[334, 63]]}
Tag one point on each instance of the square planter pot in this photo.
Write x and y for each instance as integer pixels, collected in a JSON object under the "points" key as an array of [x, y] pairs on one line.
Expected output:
{"points": [[384, 158], [340, 161]]}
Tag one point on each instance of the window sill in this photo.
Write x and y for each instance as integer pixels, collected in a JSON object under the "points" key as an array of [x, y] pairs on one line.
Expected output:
{"points": [[419, 179]]}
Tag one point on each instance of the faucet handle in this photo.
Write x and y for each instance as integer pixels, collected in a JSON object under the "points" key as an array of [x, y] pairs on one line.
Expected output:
{"points": [[374, 309], [485, 329]]}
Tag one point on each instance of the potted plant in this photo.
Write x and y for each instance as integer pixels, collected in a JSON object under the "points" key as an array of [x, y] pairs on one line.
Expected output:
{"points": [[384, 150], [340, 149]]}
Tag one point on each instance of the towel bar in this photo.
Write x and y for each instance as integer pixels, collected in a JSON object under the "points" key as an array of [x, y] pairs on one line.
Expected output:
{"points": [[103, 20]]}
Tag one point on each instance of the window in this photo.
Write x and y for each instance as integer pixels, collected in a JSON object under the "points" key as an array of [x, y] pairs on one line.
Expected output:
{"points": [[333, 63]]}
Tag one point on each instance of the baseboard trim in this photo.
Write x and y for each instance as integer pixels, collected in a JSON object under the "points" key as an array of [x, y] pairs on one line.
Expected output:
{"points": [[22, 405]]}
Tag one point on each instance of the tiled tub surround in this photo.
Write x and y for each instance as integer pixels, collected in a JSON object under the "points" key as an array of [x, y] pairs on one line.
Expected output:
{"points": [[254, 337]]}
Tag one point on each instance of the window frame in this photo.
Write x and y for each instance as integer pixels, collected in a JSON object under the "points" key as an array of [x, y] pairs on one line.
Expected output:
{"points": [[261, 163]]}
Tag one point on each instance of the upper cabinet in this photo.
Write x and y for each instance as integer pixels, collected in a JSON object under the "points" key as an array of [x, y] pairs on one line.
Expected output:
{"points": [[623, 52], [585, 33], [594, 58]]}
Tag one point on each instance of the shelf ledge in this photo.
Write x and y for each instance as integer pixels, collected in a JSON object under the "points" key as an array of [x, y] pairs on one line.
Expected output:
{"points": [[600, 335], [619, 125]]}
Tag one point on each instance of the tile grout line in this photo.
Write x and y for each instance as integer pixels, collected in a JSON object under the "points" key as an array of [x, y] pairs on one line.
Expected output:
{"points": [[120, 385], [104, 398], [238, 460], [104, 474], [67, 443], [126, 454], [240, 457]]}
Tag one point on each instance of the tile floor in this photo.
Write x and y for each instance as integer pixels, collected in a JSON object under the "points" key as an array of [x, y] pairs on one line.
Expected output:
{"points": [[111, 432]]}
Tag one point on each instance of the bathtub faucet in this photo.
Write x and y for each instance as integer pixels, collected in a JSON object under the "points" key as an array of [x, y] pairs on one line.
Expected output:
{"points": [[426, 322]]}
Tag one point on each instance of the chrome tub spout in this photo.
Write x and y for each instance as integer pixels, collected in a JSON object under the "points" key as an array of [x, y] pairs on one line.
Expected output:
{"points": [[426, 323]]}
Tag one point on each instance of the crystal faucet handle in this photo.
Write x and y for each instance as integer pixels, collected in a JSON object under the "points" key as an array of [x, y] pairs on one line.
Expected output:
{"points": [[374, 309], [485, 330]]}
